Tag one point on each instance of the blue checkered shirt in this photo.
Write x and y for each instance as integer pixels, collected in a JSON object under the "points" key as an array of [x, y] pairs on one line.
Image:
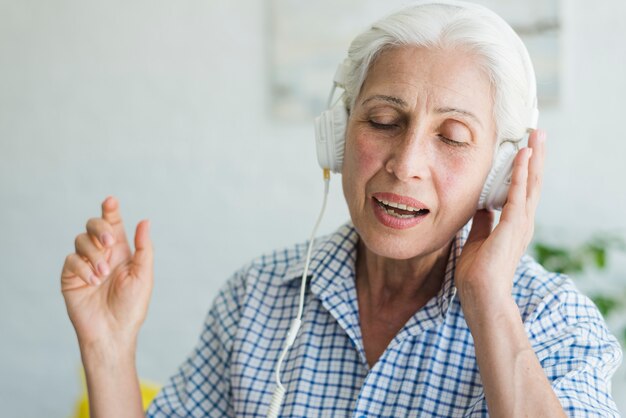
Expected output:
{"points": [[428, 370]]}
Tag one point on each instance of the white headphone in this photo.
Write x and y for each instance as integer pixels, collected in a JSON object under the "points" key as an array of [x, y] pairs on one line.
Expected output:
{"points": [[330, 130]]}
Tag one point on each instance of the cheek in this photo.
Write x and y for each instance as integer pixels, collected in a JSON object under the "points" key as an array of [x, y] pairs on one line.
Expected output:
{"points": [[362, 158], [460, 179]]}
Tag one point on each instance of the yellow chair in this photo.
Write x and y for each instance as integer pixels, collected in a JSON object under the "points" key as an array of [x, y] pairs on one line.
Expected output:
{"points": [[148, 392]]}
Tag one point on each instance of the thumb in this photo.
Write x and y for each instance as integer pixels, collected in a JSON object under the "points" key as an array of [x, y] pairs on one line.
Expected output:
{"points": [[482, 225], [143, 258]]}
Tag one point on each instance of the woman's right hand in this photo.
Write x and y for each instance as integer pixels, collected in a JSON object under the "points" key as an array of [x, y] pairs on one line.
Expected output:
{"points": [[106, 286]]}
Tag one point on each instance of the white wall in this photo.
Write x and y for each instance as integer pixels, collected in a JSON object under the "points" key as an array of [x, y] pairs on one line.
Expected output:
{"points": [[165, 105]]}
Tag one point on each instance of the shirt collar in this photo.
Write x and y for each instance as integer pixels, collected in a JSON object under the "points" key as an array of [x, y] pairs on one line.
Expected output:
{"points": [[333, 260], [332, 255]]}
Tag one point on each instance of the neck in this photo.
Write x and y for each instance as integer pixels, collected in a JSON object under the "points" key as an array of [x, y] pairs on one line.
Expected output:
{"points": [[385, 282]]}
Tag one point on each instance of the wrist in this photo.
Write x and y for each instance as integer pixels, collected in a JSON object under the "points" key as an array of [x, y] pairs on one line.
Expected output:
{"points": [[107, 353], [111, 377], [482, 310]]}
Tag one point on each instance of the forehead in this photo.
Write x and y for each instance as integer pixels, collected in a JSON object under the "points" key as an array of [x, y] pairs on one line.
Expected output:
{"points": [[430, 76]]}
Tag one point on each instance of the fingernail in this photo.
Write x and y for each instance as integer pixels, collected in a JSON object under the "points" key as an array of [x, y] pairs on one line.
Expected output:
{"points": [[107, 239], [92, 280], [103, 268]]}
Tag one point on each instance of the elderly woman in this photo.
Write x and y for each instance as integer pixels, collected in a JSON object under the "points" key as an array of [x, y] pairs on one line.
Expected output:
{"points": [[408, 310]]}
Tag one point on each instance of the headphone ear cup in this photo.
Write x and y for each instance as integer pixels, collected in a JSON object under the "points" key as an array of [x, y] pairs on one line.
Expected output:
{"points": [[496, 188], [330, 137]]}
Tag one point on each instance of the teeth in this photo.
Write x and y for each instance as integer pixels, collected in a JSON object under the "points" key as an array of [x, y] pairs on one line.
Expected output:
{"points": [[397, 215], [399, 206]]}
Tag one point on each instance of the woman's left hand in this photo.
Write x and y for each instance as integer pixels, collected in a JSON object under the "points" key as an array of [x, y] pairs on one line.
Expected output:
{"points": [[485, 270]]}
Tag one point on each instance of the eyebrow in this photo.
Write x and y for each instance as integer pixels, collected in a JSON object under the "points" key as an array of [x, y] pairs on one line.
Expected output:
{"points": [[439, 110], [391, 99], [456, 111]]}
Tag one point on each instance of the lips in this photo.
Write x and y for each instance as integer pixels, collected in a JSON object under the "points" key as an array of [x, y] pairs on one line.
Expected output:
{"points": [[398, 212], [400, 209]]}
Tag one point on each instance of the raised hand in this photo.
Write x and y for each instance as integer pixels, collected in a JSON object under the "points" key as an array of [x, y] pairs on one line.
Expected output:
{"points": [[513, 380], [106, 286], [487, 264]]}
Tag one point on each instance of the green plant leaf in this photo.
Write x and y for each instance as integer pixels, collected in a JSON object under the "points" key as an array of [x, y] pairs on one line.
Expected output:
{"points": [[600, 258], [596, 252]]}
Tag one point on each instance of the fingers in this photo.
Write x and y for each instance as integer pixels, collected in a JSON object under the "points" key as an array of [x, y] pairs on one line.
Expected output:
{"points": [[77, 266], [517, 192], [87, 248], [525, 190], [101, 231], [111, 214], [143, 258], [97, 253], [527, 174], [92, 248], [535, 168]]}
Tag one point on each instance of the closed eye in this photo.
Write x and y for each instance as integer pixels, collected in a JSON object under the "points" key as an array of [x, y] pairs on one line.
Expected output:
{"points": [[382, 126], [451, 141]]}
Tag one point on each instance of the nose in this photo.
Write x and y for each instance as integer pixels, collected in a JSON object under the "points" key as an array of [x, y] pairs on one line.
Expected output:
{"points": [[410, 157]]}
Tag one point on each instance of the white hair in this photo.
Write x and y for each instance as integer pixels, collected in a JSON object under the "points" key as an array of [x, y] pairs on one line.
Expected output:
{"points": [[473, 28]]}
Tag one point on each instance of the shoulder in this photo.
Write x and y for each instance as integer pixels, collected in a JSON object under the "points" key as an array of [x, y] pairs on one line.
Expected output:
{"points": [[271, 268], [545, 295], [255, 283], [560, 318], [537, 290], [281, 266], [570, 338]]}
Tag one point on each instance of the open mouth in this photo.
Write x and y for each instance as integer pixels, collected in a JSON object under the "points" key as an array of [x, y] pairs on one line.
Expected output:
{"points": [[399, 210]]}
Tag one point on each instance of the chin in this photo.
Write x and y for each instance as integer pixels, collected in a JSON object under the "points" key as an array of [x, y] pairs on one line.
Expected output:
{"points": [[395, 246]]}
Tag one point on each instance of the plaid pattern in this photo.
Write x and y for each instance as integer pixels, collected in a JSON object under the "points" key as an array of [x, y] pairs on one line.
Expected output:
{"points": [[429, 369]]}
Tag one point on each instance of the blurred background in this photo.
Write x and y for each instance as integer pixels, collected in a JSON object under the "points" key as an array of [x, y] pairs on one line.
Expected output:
{"points": [[178, 109]]}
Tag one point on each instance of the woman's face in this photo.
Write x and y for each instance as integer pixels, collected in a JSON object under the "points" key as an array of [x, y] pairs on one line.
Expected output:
{"points": [[419, 145]]}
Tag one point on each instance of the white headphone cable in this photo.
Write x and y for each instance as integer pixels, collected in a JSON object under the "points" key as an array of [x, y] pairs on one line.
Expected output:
{"points": [[279, 392]]}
